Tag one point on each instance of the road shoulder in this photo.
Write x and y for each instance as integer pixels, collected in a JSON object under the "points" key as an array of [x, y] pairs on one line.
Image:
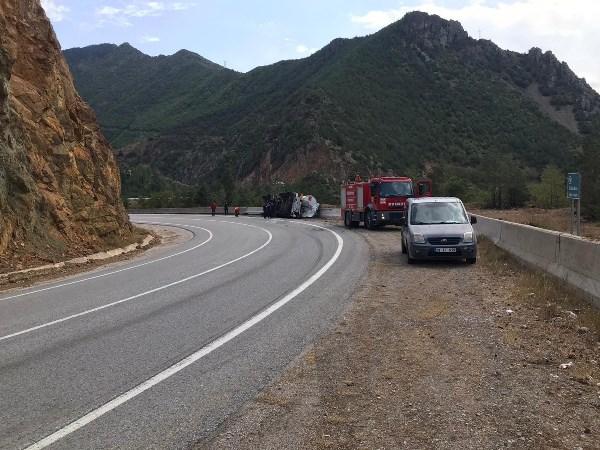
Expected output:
{"points": [[434, 356]]}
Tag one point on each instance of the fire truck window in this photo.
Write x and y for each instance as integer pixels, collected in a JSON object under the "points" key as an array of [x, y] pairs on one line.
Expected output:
{"points": [[423, 189], [395, 189]]}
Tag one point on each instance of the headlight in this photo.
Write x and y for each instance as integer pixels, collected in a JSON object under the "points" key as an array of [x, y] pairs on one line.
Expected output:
{"points": [[418, 238], [468, 237]]}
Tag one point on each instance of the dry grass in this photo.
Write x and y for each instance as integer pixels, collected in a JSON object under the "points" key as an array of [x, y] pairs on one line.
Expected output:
{"points": [[549, 219], [550, 294]]}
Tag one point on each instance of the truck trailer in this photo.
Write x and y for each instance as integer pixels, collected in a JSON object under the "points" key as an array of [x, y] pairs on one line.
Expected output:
{"points": [[379, 201]]}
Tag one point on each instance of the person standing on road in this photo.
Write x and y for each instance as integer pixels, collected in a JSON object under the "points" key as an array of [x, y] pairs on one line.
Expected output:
{"points": [[270, 209], [213, 207], [265, 208], [226, 207]]}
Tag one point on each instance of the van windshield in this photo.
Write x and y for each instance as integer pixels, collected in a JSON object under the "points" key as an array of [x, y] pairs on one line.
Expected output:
{"points": [[395, 189], [437, 213]]}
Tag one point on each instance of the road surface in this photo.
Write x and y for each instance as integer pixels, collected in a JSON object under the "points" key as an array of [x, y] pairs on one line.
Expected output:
{"points": [[157, 352]]}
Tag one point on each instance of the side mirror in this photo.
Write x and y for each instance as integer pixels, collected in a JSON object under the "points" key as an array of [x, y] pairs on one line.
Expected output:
{"points": [[473, 220]]}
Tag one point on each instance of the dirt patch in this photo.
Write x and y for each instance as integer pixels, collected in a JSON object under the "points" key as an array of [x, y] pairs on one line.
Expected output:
{"points": [[26, 257], [549, 219], [436, 356], [163, 236]]}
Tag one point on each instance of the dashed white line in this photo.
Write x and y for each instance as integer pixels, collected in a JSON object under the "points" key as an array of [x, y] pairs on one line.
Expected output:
{"points": [[162, 376], [95, 277], [133, 297]]}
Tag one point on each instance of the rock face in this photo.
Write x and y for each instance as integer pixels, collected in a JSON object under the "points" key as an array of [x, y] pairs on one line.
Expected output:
{"points": [[59, 182]]}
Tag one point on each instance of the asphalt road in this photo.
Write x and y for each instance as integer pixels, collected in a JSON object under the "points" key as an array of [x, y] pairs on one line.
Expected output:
{"points": [[157, 352]]}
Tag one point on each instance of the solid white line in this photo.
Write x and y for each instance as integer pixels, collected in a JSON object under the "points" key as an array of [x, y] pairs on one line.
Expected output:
{"points": [[70, 283], [142, 294], [156, 379]]}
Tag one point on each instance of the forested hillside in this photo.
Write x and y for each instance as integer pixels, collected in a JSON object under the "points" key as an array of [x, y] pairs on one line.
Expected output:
{"points": [[419, 97]]}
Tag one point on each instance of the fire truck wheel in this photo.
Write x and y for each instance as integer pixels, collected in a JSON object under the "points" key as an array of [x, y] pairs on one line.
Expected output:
{"points": [[347, 222]]}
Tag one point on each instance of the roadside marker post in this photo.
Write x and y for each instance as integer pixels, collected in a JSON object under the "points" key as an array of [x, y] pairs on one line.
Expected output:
{"points": [[574, 194]]}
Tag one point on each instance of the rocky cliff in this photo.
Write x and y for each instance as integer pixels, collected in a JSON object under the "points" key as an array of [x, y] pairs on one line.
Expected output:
{"points": [[59, 182]]}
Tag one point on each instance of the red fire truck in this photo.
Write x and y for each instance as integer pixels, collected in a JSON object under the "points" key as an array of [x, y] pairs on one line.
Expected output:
{"points": [[380, 201]]}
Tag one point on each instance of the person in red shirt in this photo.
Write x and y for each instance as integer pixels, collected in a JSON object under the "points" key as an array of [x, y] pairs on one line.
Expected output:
{"points": [[213, 207]]}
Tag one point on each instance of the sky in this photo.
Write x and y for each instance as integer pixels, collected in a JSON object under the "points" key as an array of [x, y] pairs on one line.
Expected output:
{"points": [[244, 34]]}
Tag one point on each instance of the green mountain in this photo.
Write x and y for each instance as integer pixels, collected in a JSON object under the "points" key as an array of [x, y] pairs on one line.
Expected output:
{"points": [[419, 97]]}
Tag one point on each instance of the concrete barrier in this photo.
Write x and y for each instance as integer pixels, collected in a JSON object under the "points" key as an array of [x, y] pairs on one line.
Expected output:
{"points": [[579, 263], [490, 228], [533, 245], [330, 213], [570, 258], [198, 210]]}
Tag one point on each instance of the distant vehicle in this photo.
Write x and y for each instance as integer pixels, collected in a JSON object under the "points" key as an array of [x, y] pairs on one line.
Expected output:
{"points": [[293, 205], [379, 201], [439, 228]]}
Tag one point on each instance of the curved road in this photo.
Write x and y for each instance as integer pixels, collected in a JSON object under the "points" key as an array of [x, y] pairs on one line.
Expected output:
{"points": [[157, 352]]}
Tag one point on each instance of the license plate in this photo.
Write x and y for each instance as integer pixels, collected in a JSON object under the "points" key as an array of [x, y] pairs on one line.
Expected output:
{"points": [[445, 250]]}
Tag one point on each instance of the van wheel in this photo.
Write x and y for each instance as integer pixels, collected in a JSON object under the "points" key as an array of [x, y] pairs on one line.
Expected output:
{"points": [[471, 260], [410, 260], [403, 245]]}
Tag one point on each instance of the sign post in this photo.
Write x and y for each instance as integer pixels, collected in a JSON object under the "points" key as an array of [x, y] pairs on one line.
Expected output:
{"points": [[574, 194]]}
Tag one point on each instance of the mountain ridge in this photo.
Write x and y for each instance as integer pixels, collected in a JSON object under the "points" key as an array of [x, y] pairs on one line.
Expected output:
{"points": [[416, 95]]}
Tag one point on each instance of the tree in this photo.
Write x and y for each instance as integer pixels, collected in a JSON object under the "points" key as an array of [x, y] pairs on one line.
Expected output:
{"points": [[550, 191], [506, 183], [590, 163]]}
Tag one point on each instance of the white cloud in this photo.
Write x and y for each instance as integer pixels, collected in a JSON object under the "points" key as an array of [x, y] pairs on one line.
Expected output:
{"points": [[304, 50], [567, 28], [55, 11], [122, 15], [149, 39]]}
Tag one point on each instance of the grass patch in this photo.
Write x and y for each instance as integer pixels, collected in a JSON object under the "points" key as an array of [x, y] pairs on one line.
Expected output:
{"points": [[553, 296]]}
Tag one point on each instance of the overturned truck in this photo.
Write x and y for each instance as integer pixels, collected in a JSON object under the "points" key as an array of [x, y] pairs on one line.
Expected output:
{"points": [[293, 205]]}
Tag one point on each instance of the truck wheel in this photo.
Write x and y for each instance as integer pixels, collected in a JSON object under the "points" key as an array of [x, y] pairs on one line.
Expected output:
{"points": [[471, 260], [347, 220]]}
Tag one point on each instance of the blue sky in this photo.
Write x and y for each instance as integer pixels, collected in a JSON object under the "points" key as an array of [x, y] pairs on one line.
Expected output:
{"points": [[244, 34]]}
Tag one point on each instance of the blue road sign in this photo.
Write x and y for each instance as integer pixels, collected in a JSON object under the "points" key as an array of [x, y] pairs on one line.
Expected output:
{"points": [[574, 186]]}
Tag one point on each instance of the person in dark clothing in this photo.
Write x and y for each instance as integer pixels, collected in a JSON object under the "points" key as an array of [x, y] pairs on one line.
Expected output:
{"points": [[213, 207], [270, 209], [265, 209], [226, 207]]}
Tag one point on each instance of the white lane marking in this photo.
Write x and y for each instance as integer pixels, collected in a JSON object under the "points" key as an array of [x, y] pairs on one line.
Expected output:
{"points": [[177, 367], [142, 294], [70, 283]]}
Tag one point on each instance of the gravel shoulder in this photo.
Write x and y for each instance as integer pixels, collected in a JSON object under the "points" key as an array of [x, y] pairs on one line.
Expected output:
{"points": [[438, 355]]}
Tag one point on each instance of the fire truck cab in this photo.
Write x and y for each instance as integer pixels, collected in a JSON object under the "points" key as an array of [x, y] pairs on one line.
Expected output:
{"points": [[379, 201]]}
